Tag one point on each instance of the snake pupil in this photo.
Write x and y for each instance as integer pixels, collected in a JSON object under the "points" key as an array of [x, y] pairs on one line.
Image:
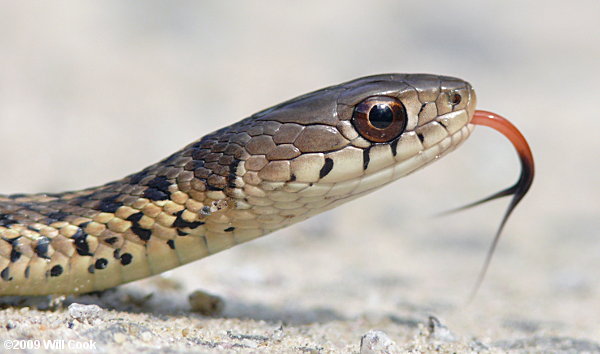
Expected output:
{"points": [[381, 116]]}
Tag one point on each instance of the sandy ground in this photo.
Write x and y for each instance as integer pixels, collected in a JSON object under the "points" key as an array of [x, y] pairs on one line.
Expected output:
{"points": [[90, 92]]}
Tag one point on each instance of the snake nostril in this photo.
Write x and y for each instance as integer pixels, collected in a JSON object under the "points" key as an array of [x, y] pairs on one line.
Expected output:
{"points": [[455, 98]]}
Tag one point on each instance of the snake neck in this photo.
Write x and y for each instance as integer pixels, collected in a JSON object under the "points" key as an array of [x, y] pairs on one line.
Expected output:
{"points": [[173, 212]]}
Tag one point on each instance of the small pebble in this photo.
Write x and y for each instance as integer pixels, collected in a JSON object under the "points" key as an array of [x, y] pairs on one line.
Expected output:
{"points": [[185, 332], [146, 336], [205, 303], [377, 342], [85, 313], [439, 332], [120, 338]]}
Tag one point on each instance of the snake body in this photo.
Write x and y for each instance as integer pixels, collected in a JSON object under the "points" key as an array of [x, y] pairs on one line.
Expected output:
{"points": [[270, 170]]}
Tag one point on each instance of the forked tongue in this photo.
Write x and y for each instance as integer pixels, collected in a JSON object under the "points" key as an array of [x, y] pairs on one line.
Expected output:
{"points": [[517, 190]]}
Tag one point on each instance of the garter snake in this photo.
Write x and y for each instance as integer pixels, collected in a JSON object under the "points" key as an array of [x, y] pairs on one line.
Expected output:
{"points": [[270, 170]]}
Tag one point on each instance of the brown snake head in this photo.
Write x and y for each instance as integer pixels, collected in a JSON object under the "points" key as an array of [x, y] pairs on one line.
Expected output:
{"points": [[330, 146], [270, 170]]}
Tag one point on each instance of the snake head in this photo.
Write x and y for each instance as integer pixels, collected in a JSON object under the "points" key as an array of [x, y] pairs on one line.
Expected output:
{"points": [[321, 149]]}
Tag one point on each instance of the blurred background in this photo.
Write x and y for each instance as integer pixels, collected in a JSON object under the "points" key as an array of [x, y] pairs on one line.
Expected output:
{"points": [[93, 91]]}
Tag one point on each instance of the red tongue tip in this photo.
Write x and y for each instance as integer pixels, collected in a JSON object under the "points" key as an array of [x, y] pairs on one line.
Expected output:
{"points": [[502, 125], [518, 190]]}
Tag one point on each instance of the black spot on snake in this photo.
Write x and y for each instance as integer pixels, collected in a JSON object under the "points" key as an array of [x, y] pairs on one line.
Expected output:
{"points": [[422, 108], [109, 205], [111, 240], [158, 189], [83, 225], [171, 244], [58, 215], [143, 234], [160, 183], [394, 146], [421, 137], [181, 223], [27, 270], [135, 218], [101, 263], [117, 253], [5, 274], [231, 181], [14, 255], [41, 249], [442, 124], [91, 269], [292, 177], [56, 271], [229, 229], [12, 241], [126, 258], [327, 167], [155, 194], [366, 157], [81, 245], [232, 173], [181, 233], [213, 188], [6, 220]]}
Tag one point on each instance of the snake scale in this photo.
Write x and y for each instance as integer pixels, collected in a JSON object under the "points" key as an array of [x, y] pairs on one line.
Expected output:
{"points": [[270, 170]]}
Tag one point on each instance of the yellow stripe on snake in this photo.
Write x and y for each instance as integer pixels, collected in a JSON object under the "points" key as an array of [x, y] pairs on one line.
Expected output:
{"points": [[273, 169]]}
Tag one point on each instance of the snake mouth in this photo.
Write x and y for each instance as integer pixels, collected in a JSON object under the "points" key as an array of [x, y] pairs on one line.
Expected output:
{"points": [[517, 190]]}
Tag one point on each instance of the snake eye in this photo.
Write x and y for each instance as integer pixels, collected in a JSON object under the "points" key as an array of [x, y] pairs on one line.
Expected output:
{"points": [[380, 118]]}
